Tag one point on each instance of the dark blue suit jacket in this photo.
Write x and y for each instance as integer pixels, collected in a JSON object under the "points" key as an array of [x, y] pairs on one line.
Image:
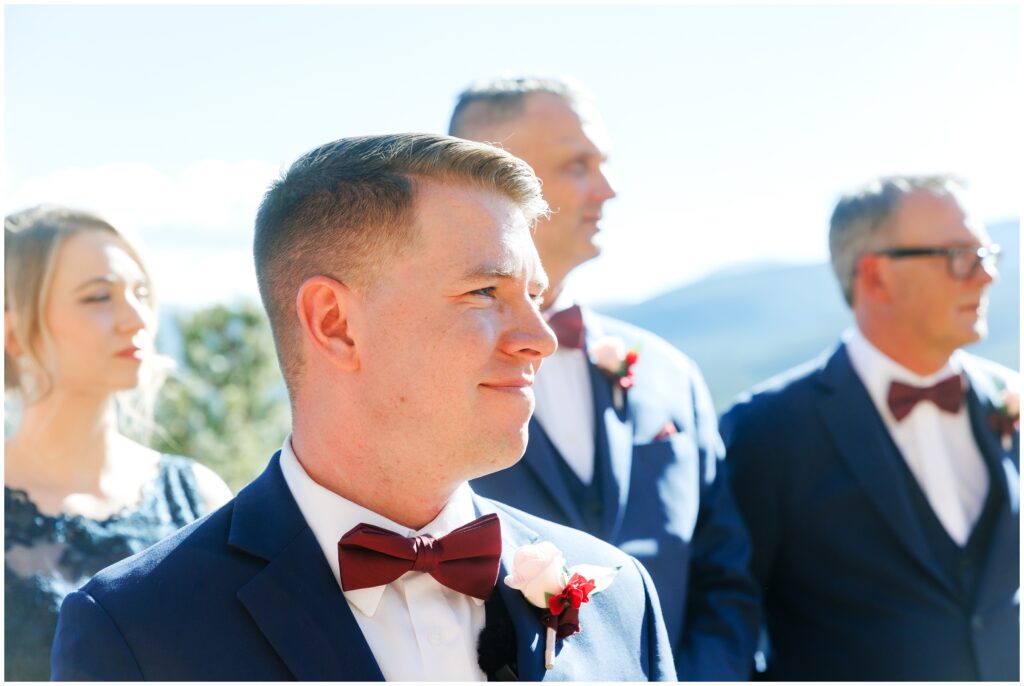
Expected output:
{"points": [[245, 594], [852, 588], [665, 501]]}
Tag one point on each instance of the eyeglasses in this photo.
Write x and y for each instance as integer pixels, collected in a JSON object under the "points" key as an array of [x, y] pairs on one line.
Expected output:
{"points": [[961, 261]]}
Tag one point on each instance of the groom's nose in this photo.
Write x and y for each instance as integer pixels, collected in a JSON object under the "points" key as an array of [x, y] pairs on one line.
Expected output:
{"points": [[530, 337]]}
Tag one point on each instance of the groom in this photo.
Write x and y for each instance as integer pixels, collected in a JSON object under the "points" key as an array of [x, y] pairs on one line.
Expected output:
{"points": [[402, 287]]}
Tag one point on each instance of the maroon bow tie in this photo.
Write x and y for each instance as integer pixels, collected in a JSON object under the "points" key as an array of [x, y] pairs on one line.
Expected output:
{"points": [[568, 328], [947, 394], [466, 560]]}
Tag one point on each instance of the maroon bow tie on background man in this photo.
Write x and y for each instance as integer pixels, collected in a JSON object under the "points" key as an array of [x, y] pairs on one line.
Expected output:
{"points": [[947, 394], [568, 328], [466, 560]]}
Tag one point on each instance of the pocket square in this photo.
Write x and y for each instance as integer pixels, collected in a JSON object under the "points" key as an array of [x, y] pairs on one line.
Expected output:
{"points": [[666, 431]]}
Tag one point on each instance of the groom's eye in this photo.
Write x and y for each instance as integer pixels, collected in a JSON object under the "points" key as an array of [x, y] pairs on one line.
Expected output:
{"points": [[487, 292]]}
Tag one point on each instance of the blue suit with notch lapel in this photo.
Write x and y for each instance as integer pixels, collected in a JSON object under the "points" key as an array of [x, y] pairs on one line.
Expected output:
{"points": [[663, 501], [246, 595], [851, 560]]}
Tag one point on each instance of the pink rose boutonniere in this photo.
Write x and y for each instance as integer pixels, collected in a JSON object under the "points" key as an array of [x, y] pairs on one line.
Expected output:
{"points": [[1005, 421], [612, 358], [539, 572]]}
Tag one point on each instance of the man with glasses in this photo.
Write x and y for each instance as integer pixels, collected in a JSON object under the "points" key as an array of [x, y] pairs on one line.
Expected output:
{"points": [[880, 483]]}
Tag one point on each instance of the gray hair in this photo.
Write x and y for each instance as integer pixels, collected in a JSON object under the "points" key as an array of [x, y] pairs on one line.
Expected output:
{"points": [[860, 222], [500, 100]]}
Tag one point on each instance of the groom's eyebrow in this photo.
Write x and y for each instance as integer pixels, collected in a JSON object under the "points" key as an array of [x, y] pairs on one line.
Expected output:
{"points": [[504, 272]]}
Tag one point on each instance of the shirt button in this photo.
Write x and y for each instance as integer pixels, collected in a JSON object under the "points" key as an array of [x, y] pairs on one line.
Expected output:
{"points": [[977, 623], [435, 636]]}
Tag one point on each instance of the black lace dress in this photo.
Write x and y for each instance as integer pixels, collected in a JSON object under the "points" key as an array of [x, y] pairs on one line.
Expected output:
{"points": [[45, 558]]}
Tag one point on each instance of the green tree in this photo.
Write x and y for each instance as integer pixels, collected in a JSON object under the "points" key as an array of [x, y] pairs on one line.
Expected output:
{"points": [[225, 404]]}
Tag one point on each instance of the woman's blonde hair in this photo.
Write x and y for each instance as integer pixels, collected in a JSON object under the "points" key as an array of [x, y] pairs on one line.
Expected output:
{"points": [[32, 239]]}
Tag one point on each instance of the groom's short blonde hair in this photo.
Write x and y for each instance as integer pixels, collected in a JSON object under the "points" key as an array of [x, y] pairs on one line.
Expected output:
{"points": [[346, 208]]}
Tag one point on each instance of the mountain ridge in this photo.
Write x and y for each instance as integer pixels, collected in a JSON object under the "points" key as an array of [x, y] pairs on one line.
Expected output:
{"points": [[743, 326]]}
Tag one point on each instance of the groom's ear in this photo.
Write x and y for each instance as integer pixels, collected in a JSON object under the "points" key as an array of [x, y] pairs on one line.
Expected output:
{"points": [[324, 306]]}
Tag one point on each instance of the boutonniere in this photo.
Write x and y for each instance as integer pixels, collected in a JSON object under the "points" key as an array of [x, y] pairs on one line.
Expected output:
{"points": [[1005, 420], [612, 358], [539, 572]]}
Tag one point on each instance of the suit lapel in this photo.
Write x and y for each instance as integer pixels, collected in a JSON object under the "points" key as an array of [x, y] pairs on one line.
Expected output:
{"points": [[864, 443], [982, 403], [530, 632], [541, 457], [295, 599], [613, 441], [1005, 482]]}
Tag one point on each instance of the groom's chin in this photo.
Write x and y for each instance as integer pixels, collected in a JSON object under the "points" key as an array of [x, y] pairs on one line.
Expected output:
{"points": [[505, 452]]}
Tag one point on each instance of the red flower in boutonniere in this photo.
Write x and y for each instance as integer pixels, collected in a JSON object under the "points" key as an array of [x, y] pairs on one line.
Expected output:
{"points": [[612, 358], [1005, 421], [539, 572], [564, 608], [575, 593]]}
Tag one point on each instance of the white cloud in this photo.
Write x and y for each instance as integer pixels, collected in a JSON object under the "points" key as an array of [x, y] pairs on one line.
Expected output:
{"points": [[194, 230], [210, 196], [195, 278]]}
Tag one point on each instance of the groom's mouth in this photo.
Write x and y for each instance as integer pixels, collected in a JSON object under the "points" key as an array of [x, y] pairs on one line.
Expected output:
{"points": [[517, 385]]}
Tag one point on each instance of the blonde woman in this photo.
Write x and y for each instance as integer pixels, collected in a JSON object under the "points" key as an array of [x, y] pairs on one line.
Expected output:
{"points": [[79, 328]]}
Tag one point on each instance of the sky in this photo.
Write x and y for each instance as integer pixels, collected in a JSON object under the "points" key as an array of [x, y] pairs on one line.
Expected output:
{"points": [[734, 127]]}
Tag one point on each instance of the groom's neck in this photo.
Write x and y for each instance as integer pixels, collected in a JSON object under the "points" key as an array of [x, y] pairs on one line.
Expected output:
{"points": [[389, 486]]}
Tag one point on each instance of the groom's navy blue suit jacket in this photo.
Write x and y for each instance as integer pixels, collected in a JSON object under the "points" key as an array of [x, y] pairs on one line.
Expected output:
{"points": [[245, 594], [861, 582], [662, 500]]}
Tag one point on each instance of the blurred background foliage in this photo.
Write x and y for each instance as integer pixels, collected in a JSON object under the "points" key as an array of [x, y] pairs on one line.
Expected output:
{"points": [[225, 404]]}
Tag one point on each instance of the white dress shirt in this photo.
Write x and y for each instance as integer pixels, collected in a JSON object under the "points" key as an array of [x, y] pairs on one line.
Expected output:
{"points": [[565, 406], [938, 446], [417, 629]]}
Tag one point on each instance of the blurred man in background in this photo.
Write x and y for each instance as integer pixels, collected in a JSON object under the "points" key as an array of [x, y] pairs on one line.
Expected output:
{"points": [[881, 482], [624, 443]]}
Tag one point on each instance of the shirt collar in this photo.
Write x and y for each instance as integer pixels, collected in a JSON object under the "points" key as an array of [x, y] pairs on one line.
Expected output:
{"points": [[877, 370], [330, 516]]}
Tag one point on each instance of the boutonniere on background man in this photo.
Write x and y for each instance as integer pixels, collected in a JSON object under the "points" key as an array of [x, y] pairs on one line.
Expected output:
{"points": [[540, 574], [612, 358], [1005, 421]]}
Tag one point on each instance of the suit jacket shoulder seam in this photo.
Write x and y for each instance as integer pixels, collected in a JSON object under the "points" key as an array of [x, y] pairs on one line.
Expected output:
{"points": [[120, 633]]}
